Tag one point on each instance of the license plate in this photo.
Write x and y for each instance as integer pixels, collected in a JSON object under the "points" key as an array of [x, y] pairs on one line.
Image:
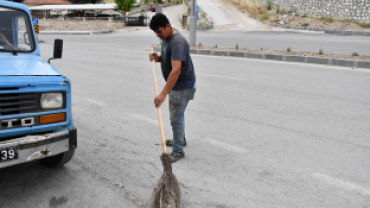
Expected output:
{"points": [[8, 154]]}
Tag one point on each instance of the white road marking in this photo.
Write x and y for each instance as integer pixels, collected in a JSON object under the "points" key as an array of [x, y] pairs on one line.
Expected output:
{"points": [[98, 103], [229, 147], [342, 183], [144, 118]]}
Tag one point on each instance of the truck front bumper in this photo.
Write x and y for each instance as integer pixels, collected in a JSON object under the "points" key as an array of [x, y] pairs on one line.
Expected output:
{"points": [[36, 147]]}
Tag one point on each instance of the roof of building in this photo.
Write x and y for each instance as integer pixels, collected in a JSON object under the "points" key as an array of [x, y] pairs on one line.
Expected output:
{"points": [[73, 7], [46, 2]]}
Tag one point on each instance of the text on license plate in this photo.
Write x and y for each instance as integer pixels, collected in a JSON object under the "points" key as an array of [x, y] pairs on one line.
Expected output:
{"points": [[7, 154]]}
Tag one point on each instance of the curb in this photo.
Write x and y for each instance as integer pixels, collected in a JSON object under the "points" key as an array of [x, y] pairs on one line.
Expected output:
{"points": [[327, 31], [76, 32], [287, 58]]}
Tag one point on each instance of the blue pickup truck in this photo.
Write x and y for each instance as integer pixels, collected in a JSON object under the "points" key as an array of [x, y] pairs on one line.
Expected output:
{"points": [[35, 99]]}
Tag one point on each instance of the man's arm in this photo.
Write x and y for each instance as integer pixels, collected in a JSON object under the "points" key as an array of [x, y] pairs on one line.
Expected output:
{"points": [[171, 81], [155, 57], [4, 40]]}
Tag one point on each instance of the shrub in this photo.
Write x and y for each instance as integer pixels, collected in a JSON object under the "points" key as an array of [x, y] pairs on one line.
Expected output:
{"points": [[237, 46], [321, 51], [187, 27], [278, 9], [345, 20], [200, 44], [269, 5], [203, 14], [282, 10], [288, 50], [264, 16], [277, 20], [363, 24], [329, 20], [355, 54], [320, 18], [305, 24], [253, 8]]}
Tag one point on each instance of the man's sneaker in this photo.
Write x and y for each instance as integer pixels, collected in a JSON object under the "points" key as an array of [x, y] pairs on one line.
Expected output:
{"points": [[169, 142], [175, 156]]}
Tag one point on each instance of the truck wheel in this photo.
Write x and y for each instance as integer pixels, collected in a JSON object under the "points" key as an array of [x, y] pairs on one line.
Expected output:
{"points": [[58, 160]]}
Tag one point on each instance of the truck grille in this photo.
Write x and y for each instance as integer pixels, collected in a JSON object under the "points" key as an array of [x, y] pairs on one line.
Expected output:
{"points": [[17, 103]]}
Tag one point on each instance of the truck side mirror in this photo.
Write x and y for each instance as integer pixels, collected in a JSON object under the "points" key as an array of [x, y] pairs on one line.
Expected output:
{"points": [[58, 49]]}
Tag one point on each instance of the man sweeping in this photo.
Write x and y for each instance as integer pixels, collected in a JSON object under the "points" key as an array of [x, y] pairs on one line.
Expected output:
{"points": [[178, 71]]}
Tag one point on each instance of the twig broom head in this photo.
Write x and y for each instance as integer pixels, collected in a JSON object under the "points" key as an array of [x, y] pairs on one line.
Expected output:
{"points": [[166, 193]]}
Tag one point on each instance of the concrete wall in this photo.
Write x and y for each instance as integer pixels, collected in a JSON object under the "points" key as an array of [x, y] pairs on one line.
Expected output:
{"points": [[358, 10], [79, 25]]}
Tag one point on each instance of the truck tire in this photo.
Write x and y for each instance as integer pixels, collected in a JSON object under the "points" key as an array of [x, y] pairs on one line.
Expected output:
{"points": [[58, 160]]}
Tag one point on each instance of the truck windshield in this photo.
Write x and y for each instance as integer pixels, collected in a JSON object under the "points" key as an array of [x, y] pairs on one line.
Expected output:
{"points": [[15, 31]]}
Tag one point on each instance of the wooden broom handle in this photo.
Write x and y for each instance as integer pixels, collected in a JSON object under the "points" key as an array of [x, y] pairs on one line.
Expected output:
{"points": [[159, 108]]}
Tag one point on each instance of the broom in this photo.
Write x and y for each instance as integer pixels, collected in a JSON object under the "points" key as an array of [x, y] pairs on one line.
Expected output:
{"points": [[166, 194]]}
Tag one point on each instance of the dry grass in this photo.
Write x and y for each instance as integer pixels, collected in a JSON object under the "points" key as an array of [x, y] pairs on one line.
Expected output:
{"points": [[260, 12], [305, 24], [363, 25], [248, 5], [256, 10]]}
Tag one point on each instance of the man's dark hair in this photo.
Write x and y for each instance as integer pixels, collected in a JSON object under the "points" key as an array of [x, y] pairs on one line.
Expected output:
{"points": [[158, 20]]}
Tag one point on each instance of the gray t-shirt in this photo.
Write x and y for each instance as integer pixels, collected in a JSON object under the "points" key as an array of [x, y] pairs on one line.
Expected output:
{"points": [[176, 48]]}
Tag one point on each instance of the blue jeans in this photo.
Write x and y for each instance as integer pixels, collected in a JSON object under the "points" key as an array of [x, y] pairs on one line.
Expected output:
{"points": [[178, 100]]}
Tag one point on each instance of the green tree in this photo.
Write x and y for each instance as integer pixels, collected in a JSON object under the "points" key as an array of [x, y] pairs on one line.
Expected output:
{"points": [[123, 6]]}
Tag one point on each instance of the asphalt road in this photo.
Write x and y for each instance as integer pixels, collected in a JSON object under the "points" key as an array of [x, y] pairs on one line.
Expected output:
{"points": [[297, 41], [260, 133], [141, 37]]}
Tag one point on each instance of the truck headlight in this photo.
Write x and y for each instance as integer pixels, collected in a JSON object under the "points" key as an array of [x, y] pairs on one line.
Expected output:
{"points": [[51, 100]]}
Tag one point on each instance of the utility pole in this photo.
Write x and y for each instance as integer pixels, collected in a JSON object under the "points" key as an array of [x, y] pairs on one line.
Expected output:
{"points": [[193, 24]]}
